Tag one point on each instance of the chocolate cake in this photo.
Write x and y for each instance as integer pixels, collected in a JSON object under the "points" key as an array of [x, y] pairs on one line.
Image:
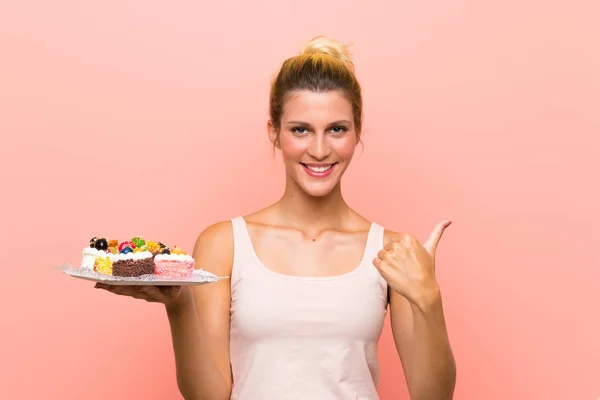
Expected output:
{"points": [[133, 264]]}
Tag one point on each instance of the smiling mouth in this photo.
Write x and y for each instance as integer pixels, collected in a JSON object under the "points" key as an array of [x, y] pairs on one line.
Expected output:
{"points": [[319, 169]]}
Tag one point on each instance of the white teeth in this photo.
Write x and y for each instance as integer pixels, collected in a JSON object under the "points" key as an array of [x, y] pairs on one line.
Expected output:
{"points": [[319, 169]]}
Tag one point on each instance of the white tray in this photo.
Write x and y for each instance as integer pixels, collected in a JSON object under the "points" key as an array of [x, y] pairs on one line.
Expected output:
{"points": [[198, 277]]}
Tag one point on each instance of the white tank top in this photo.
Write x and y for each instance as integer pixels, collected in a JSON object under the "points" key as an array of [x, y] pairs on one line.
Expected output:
{"points": [[305, 337]]}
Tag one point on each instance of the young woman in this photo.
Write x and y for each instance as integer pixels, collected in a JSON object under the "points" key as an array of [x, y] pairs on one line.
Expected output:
{"points": [[310, 278]]}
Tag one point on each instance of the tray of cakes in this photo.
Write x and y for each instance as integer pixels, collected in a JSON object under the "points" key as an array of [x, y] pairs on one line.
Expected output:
{"points": [[137, 262]]}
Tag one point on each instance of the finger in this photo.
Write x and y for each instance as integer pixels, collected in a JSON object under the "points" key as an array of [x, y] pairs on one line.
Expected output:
{"points": [[382, 255], [380, 265], [155, 293], [106, 286], [393, 245], [435, 236], [99, 285], [397, 238], [141, 296], [120, 290], [174, 291], [136, 292], [377, 262]]}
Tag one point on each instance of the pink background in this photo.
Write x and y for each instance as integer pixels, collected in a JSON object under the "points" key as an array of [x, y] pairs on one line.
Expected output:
{"points": [[121, 118]]}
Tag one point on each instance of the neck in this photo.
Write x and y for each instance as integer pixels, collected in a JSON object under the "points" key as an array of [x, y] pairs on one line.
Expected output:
{"points": [[301, 210]]}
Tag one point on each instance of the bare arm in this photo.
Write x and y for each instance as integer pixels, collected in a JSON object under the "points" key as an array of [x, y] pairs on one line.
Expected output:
{"points": [[423, 346], [200, 321], [424, 349]]}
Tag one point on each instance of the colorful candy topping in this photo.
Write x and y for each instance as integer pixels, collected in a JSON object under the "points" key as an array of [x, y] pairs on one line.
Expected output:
{"points": [[138, 241], [153, 247], [126, 245], [139, 249], [178, 250], [101, 244]]}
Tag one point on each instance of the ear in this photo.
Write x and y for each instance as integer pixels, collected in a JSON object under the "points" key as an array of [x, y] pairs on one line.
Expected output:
{"points": [[273, 134]]}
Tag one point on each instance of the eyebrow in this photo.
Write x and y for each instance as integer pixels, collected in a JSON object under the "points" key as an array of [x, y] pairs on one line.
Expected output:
{"points": [[342, 121]]}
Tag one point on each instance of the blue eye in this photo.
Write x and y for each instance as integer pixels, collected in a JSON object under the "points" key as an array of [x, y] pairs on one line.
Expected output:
{"points": [[339, 129], [300, 130]]}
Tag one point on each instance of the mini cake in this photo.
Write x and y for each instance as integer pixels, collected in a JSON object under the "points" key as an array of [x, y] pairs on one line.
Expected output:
{"points": [[174, 263], [89, 257], [97, 249], [132, 264]]}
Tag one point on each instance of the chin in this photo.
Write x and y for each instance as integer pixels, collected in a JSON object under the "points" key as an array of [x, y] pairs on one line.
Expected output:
{"points": [[318, 190], [318, 193], [316, 187]]}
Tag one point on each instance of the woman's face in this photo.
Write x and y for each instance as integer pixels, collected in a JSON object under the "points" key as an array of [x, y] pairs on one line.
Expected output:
{"points": [[317, 139]]}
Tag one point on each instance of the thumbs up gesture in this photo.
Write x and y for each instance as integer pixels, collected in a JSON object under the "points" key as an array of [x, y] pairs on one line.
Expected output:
{"points": [[409, 267]]}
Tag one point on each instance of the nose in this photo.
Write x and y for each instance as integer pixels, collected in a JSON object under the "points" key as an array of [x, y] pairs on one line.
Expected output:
{"points": [[319, 148]]}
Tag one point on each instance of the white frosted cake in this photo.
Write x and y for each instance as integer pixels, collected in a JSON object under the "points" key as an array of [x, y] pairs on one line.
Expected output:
{"points": [[89, 257]]}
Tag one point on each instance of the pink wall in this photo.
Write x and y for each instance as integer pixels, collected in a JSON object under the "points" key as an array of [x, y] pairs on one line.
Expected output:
{"points": [[121, 118]]}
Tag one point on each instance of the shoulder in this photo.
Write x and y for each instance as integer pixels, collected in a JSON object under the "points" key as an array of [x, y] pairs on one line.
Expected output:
{"points": [[213, 250], [217, 231]]}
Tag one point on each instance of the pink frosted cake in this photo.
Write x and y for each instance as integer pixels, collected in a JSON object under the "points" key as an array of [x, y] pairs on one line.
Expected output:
{"points": [[177, 264]]}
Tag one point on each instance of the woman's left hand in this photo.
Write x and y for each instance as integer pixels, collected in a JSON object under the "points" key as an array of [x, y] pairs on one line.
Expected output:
{"points": [[409, 267]]}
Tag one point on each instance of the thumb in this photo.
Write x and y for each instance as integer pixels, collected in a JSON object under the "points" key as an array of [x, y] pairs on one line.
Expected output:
{"points": [[435, 236]]}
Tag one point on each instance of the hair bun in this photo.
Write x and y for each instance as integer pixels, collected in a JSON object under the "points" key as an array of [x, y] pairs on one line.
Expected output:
{"points": [[325, 45]]}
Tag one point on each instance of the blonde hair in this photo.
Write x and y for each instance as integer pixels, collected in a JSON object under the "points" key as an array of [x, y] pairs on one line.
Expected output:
{"points": [[325, 45], [323, 65]]}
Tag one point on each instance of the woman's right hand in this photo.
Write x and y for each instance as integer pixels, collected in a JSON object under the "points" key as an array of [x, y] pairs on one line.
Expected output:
{"points": [[168, 295]]}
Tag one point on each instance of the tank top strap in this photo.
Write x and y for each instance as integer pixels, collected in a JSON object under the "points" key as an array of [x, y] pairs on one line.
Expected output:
{"points": [[375, 244], [242, 247], [375, 240], [240, 234]]}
